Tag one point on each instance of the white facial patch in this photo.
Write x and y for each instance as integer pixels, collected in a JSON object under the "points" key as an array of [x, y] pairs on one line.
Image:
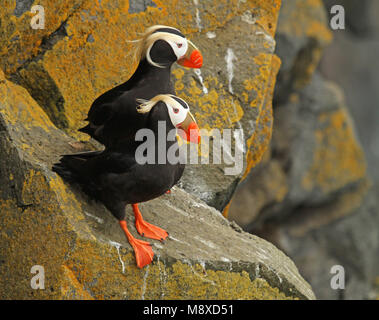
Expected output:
{"points": [[176, 112], [180, 47]]}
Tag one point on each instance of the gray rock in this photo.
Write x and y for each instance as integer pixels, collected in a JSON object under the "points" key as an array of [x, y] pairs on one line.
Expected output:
{"points": [[351, 242], [327, 217], [317, 227], [84, 252], [354, 68], [219, 100], [22, 6], [299, 44], [140, 5]]}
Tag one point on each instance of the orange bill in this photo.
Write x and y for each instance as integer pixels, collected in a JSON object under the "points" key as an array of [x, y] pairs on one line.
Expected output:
{"points": [[190, 131], [193, 57]]}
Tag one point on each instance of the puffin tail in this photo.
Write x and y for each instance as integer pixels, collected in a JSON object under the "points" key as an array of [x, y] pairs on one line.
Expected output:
{"points": [[93, 132], [87, 129], [70, 168]]}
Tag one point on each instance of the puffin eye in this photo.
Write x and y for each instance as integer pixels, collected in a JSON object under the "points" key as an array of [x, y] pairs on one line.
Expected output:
{"points": [[179, 45], [176, 110]]}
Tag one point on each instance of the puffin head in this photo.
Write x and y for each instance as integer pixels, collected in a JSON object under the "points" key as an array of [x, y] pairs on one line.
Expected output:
{"points": [[179, 113], [163, 45]]}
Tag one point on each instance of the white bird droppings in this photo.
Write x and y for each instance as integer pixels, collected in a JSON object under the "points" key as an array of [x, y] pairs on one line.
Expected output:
{"points": [[198, 19], [248, 17], [99, 220], [198, 73], [145, 283], [211, 35], [229, 58], [117, 246]]}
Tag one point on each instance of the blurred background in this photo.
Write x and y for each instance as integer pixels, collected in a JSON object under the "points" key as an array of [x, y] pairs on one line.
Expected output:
{"points": [[315, 194]]}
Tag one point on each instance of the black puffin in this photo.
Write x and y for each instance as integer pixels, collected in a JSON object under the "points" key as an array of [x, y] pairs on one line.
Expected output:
{"points": [[117, 178], [112, 117]]}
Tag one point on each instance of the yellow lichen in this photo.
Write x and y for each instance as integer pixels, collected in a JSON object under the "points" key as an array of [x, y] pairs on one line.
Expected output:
{"points": [[257, 144], [18, 107], [306, 18], [338, 158], [217, 109]]}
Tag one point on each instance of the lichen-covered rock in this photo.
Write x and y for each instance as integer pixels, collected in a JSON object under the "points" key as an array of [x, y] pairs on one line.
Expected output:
{"points": [[19, 43], [311, 195], [324, 153], [84, 253], [88, 50], [312, 198], [316, 155], [341, 62], [301, 36]]}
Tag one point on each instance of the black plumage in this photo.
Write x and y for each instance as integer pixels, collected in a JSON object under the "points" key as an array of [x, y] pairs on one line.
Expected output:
{"points": [[116, 179], [114, 112], [112, 117], [114, 176]]}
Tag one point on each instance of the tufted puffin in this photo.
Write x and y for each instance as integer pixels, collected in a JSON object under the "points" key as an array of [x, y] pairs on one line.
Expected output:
{"points": [[116, 177], [112, 116]]}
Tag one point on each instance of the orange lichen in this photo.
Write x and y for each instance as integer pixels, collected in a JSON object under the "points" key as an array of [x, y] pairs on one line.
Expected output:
{"points": [[257, 144], [338, 157], [18, 107], [267, 20], [216, 109], [306, 18], [71, 288], [18, 41]]}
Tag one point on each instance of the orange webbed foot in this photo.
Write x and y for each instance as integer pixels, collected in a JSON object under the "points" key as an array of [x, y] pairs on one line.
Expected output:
{"points": [[146, 229], [143, 252]]}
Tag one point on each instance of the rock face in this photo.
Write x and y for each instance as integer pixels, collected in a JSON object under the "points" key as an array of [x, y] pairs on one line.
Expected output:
{"points": [[82, 249], [354, 68], [50, 78], [301, 37], [87, 50], [311, 195]]}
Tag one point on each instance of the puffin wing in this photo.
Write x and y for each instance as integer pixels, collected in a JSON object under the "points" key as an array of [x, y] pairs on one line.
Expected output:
{"points": [[103, 108]]}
